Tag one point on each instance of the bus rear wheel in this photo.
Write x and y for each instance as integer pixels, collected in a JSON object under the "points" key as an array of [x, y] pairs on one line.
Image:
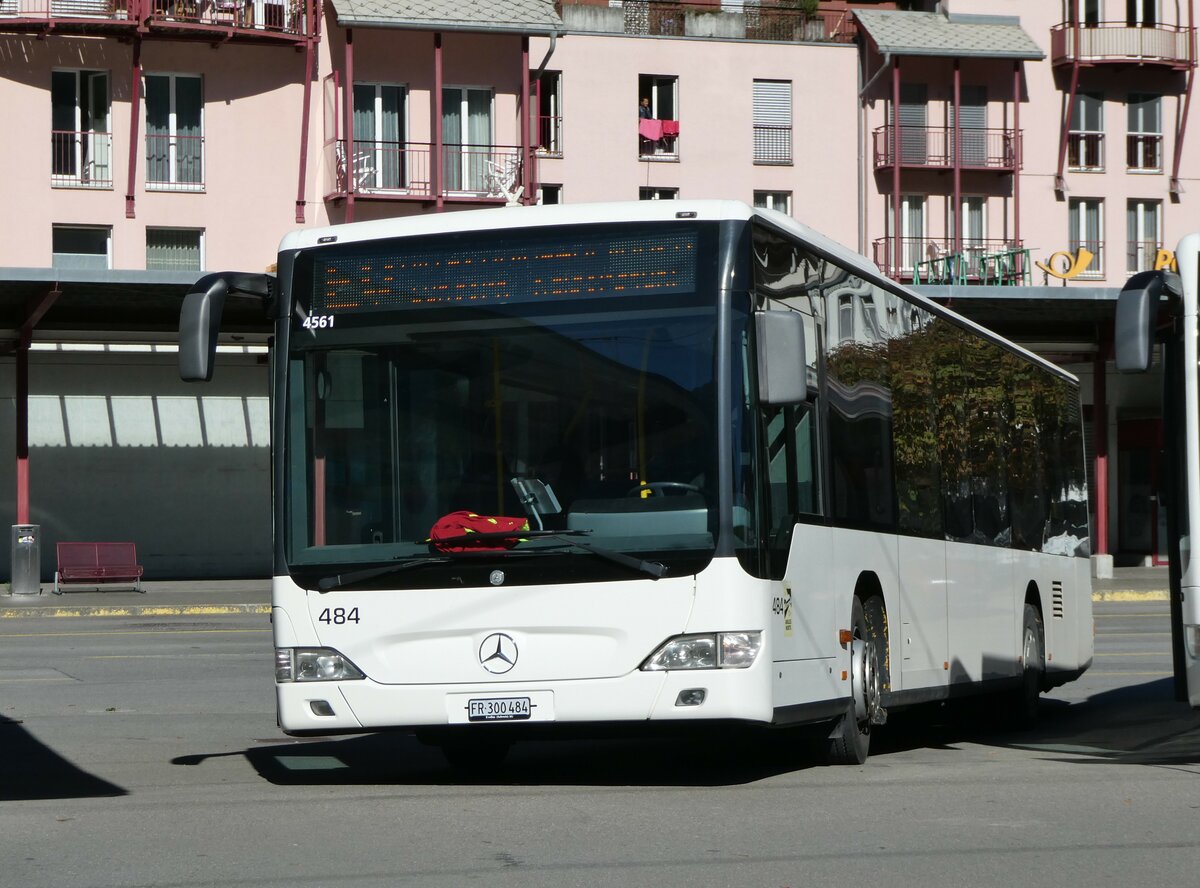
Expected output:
{"points": [[850, 741]]}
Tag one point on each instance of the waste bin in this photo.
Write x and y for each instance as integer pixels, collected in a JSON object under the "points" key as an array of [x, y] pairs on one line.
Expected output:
{"points": [[26, 559]]}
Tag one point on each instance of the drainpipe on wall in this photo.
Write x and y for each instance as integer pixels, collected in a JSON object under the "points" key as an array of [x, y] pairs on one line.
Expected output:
{"points": [[135, 113], [436, 166], [305, 114]]}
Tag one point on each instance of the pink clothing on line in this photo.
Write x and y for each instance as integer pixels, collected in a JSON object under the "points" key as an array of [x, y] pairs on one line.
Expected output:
{"points": [[651, 129]]}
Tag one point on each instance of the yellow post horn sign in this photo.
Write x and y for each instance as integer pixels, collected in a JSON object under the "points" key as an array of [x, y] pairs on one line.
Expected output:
{"points": [[1073, 265]]}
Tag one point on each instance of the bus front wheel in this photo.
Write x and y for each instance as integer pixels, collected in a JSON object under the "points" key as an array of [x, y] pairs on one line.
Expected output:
{"points": [[850, 741]]}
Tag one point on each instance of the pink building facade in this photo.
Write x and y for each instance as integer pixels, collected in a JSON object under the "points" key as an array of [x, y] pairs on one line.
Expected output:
{"points": [[1016, 157]]}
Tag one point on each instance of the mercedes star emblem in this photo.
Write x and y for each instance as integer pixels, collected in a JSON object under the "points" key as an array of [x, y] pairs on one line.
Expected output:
{"points": [[496, 577], [498, 653]]}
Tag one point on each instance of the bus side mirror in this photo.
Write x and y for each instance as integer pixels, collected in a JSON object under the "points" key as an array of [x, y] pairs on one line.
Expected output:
{"points": [[200, 318], [1137, 311], [782, 364]]}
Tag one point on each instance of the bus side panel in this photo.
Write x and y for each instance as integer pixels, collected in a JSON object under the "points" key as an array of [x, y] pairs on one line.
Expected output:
{"points": [[803, 623], [920, 631], [864, 556], [982, 608], [1065, 588]]}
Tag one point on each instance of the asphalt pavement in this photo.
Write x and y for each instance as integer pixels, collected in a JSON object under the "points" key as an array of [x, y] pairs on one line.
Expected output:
{"points": [[172, 598]]}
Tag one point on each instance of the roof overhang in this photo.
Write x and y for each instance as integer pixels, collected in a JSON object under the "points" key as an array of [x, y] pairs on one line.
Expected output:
{"points": [[513, 17], [1079, 315], [948, 36]]}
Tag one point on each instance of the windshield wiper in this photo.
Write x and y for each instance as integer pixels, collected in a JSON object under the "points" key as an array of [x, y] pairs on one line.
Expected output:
{"points": [[327, 584], [652, 569]]}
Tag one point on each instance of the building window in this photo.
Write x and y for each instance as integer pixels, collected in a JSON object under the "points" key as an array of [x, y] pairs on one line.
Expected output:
{"points": [[1144, 227], [174, 249], [549, 194], [549, 122], [909, 249], [174, 132], [470, 160], [773, 122], [1144, 135], [82, 247], [1086, 232], [1085, 142], [658, 118], [80, 134], [1141, 13], [380, 156], [658, 194], [774, 200]]}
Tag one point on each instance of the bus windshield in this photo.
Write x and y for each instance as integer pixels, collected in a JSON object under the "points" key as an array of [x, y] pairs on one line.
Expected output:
{"points": [[586, 409]]}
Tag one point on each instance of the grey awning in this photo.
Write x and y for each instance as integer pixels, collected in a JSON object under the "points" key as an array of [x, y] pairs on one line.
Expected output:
{"points": [[934, 34], [508, 16]]}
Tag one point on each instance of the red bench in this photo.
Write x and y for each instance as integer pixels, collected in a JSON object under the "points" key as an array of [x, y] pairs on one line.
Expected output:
{"points": [[97, 563]]}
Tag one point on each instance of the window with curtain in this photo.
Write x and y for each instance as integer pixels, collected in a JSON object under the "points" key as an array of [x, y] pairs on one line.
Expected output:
{"points": [[174, 132], [1144, 133], [1143, 221], [467, 138], [379, 136], [1086, 221], [174, 249], [973, 128]]}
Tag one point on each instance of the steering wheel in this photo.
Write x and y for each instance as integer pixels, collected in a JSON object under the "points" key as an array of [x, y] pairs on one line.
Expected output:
{"points": [[660, 488]]}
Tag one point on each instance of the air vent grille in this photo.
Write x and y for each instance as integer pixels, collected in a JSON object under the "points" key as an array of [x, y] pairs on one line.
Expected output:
{"points": [[1057, 593]]}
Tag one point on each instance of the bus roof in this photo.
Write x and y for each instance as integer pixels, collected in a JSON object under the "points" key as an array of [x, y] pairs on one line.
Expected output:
{"points": [[499, 218]]}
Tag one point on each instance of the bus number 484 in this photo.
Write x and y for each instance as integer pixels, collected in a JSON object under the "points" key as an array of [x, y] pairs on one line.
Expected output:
{"points": [[338, 616]]}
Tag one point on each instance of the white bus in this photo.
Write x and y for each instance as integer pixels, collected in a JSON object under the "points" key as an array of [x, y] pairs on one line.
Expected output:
{"points": [[1162, 306], [762, 484]]}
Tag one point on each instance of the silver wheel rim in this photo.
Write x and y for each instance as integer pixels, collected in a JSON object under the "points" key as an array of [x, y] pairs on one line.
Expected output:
{"points": [[864, 680]]}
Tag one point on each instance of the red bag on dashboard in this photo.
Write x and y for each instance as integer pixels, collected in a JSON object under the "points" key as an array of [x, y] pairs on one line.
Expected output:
{"points": [[464, 524]]}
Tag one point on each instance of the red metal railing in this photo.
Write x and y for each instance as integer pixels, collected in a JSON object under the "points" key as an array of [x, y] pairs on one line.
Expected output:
{"points": [[174, 163], [280, 16], [1085, 151], [1141, 255], [986, 149], [548, 138], [80, 159], [403, 170], [1118, 42], [1143, 152]]}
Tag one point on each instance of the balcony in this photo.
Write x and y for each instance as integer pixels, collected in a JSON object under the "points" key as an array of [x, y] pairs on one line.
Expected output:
{"points": [[549, 136], [403, 171], [1142, 255], [924, 260], [80, 159], [262, 21], [933, 148], [658, 139], [1085, 152], [1143, 153], [661, 18], [1119, 43], [174, 163]]}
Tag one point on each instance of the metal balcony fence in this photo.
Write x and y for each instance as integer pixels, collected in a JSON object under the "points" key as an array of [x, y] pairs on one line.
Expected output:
{"points": [[403, 169], [80, 159], [1119, 42], [924, 260], [989, 149], [1085, 151], [1143, 152], [663, 18], [1141, 255], [1095, 268], [548, 138], [283, 16], [174, 163]]}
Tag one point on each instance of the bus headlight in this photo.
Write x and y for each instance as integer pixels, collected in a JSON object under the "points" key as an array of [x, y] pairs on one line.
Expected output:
{"points": [[717, 650], [313, 664]]}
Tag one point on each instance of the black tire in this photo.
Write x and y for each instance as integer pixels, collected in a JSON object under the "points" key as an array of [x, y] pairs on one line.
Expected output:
{"points": [[850, 741], [1024, 701]]}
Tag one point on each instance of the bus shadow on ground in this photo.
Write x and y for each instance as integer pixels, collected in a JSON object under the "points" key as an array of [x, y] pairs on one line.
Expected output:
{"points": [[396, 758], [1135, 725], [29, 769]]}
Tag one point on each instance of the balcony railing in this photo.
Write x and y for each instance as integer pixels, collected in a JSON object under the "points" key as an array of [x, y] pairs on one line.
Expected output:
{"points": [[80, 159], [174, 163], [1143, 152], [1085, 152], [248, 16], [924, 260], [548, 138], [400, 170], [1095, 268], [1141, 255], [1118, 42], [658, 139], [933, 147], [750, 21], [772, 144]]}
